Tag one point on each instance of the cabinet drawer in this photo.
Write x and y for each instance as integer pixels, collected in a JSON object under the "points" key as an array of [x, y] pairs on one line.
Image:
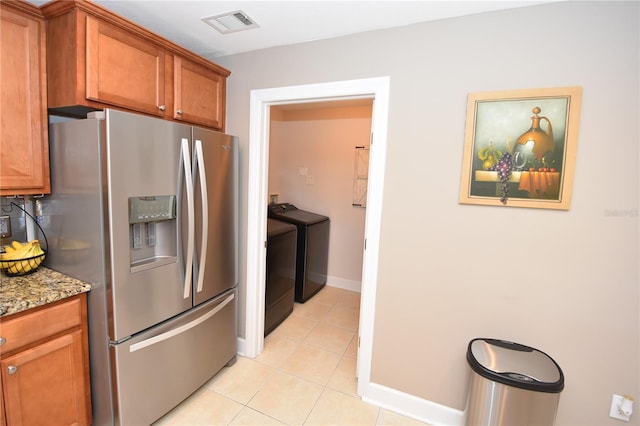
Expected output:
{"points": [[31, 327]]}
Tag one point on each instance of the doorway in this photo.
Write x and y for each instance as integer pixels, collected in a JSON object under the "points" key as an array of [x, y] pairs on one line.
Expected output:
{"points": [[312, 152], [260, 103]]}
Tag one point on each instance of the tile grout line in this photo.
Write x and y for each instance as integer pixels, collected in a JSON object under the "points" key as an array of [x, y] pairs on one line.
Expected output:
{"points": [[298, 344], [336, 382], [342, 356]]}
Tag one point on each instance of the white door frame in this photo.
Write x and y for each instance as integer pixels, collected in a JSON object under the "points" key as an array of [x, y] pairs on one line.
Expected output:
{"points": [[261, 101]]}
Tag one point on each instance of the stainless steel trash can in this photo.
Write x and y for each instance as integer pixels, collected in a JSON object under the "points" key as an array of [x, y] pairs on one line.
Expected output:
{"points": [[511, 384]]}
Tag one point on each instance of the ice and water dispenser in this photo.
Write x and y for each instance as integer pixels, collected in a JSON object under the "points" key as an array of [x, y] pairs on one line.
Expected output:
{"points": [[152, 226]]}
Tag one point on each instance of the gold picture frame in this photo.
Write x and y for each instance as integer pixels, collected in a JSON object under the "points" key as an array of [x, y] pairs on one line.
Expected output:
{"points": [[520, 147]]}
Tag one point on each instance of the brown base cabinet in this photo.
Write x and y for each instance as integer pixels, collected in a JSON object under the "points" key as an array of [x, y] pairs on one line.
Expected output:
{"points": [[44, 361]]}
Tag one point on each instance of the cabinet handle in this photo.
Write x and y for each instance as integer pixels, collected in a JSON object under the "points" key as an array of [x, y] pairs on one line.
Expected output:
{"points": [[179, 111], [12, 369], [2, 341], [162, 107]]}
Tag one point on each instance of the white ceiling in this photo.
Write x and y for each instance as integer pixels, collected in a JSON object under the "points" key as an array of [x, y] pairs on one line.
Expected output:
{"points": [[286, 22]]}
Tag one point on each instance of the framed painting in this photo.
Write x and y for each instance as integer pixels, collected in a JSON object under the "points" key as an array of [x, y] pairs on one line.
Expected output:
{"points": [[520, 147]]}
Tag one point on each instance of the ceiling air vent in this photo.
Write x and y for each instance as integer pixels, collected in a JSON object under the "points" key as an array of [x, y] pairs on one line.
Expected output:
{"points": [[231, 22]]}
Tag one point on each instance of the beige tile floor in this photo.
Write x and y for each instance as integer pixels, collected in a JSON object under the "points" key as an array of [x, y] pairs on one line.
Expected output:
{"points": [[306, 375]]}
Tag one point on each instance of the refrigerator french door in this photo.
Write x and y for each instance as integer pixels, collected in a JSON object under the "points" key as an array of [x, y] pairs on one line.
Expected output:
{"points": [[152, 205]]}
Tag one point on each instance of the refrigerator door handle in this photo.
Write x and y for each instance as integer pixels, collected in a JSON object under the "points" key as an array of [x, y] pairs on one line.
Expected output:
{"points": [[205, 214], [178, 330], [188, 266]]}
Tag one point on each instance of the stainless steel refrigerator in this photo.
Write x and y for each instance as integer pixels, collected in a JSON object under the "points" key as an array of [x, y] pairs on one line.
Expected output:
{"points": [[146, 211]]}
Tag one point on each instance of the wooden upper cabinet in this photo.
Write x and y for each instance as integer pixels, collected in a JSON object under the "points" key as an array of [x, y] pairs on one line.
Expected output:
{"points": [[98, 63], [199, 94], [24, 147], [123, 69], [103, 60]]}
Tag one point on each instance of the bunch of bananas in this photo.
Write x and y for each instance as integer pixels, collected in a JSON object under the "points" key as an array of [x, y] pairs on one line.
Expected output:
{"points": [[489, 156], [20, 259]]}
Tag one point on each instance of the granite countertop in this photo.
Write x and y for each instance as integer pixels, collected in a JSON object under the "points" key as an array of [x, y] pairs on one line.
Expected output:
{"points": [[44, 286]]}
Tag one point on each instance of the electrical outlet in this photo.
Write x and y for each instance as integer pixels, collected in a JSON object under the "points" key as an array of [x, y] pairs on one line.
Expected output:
{"points": [[5, 226], [615, 411]]}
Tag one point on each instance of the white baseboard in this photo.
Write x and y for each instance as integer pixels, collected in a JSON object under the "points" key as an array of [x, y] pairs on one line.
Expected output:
{"points": [[241, 347], [411, 406], [344, 284], [391, 399]]}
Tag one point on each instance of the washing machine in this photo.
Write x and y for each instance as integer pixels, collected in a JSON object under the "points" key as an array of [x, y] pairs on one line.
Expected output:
{"points": [[280, 273], [312, 254]]}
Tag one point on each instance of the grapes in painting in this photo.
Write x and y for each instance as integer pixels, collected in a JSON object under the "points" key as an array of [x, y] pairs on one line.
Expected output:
{"points": [[504, 167]]}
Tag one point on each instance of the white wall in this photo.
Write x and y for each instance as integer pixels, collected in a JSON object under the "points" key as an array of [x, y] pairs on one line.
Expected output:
{"points": [[565, 282], [322, 141]]}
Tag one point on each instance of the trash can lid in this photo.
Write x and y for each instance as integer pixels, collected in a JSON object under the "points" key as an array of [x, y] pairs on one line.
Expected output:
{"points": [[515, 364]]}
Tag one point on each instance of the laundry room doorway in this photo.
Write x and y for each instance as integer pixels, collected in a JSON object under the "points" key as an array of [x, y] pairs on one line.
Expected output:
{"points": [[312, 151], [261, 102]]}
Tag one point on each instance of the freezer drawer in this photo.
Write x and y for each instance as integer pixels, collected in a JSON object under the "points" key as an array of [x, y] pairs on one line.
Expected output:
{"points": [[177, 356]]}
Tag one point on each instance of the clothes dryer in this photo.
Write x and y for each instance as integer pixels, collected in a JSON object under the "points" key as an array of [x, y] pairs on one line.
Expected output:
{"points": [[312, 249], [280, 273]]}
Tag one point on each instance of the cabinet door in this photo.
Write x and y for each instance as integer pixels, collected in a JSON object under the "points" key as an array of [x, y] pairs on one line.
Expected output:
{"points": [[47, 384], [24, 154], [124, 70], [3, 422], [199, 94]]}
